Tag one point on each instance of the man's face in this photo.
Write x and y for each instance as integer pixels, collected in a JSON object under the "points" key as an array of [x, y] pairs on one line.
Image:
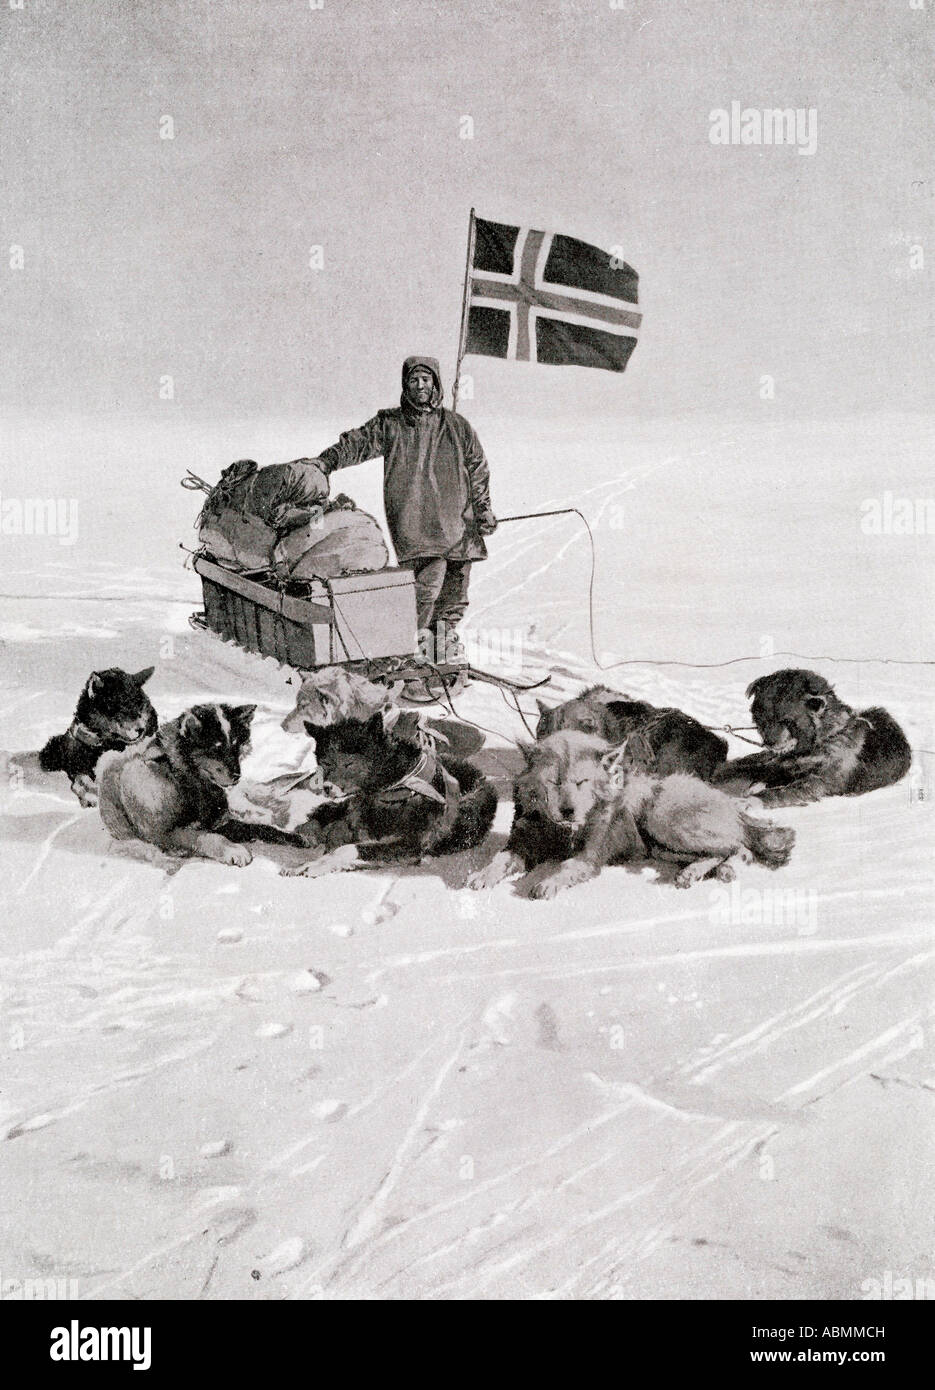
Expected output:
{"points": [[419, 385]]}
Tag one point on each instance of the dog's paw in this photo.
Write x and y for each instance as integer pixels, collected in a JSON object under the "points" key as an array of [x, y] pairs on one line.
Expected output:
{"points": [[330, 863], [302, 870], [489, 877], [685, 878], [85, 789], [502, 866], [725, 873], [238, 856], [571, 873], [482, 879]]}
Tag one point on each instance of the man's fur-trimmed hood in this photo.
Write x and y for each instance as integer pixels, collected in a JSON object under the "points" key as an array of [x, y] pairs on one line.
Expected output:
{"points": [[431, 365]]}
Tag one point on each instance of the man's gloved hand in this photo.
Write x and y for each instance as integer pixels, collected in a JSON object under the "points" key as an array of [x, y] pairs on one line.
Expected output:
{"points": [[486, 523]]}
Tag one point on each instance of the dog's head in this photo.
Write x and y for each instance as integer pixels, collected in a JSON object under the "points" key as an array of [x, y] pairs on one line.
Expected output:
{"points": [[116, 707], [350, 752], [794, 710], [604, 713], [586, 713], [215, 738], [329, 696], [565, 777]]}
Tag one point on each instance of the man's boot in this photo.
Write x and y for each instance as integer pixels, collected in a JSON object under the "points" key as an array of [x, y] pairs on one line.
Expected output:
{"points": [[451, 648]]}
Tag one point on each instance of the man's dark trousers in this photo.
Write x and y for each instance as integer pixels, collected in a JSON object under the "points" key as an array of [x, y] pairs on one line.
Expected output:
{"points": [[441, 593]]}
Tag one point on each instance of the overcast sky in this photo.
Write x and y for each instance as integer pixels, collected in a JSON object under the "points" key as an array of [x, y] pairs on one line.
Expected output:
{"points": [[340, 127]]}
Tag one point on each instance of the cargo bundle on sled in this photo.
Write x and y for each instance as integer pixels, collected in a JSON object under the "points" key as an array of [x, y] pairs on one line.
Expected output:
{"points": [[296, 591]]}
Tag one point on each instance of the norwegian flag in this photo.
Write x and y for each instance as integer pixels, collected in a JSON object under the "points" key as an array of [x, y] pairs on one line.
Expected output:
{"points": [[543, 297]]}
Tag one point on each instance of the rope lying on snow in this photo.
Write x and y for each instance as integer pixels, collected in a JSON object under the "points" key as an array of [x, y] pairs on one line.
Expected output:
{"points": [[696, 665]]}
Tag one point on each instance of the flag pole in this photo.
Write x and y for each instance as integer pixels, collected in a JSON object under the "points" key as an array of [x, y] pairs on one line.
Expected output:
{"points": [[465, 298]]}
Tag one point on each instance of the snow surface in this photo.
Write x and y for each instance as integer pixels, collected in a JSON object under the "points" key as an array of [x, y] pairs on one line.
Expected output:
{"points": [[221, 1083]]}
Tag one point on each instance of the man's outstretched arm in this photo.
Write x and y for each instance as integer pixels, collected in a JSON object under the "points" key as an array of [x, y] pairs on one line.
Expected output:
{"points": [[355, 446]]}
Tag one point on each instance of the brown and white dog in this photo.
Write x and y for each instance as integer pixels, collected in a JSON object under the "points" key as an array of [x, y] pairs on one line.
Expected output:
{"points": [[578, 804], [334, 694], [171, 791]]}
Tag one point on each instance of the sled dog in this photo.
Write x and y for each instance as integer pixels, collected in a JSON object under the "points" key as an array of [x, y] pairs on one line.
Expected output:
{"points": [[113, 712], [400, 797], [814, 744], [577, 802], [658, 740], [171, 792]]}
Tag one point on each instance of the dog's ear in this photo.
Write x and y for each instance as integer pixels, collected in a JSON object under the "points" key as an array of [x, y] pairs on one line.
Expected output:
{"points": [[527, 749], [815, 704], [190, 724], [613, 761], [614, 773], [241, 715], [405, 726], [756, 686], [143, 676], [541, 705], [95, 684], [375, 729], [319, 732]]}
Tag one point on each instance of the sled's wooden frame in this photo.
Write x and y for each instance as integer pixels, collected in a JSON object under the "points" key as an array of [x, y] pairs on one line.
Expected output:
{"points": [[308, 633]]}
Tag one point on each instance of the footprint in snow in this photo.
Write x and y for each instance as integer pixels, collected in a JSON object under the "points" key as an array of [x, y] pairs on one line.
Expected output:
{"points": [[227, 1226], [330, 1111], [497, 1020], [273, 1030], [306, 982], [27, 1126], [548, 1028], [288, 1255], [216, 1149]]}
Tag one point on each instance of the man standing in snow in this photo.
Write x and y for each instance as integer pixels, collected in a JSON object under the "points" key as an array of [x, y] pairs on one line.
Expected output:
{"points": [[436, 492]]}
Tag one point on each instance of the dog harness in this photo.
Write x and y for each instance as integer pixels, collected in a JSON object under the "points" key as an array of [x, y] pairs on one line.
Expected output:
{"points": [[82, 734], [419, 781]]}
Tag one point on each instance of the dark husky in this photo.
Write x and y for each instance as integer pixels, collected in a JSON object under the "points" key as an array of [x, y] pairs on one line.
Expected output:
{"points": [[113, 711], [814, 744], [402, 799], [661, 741], [170, 793]]}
